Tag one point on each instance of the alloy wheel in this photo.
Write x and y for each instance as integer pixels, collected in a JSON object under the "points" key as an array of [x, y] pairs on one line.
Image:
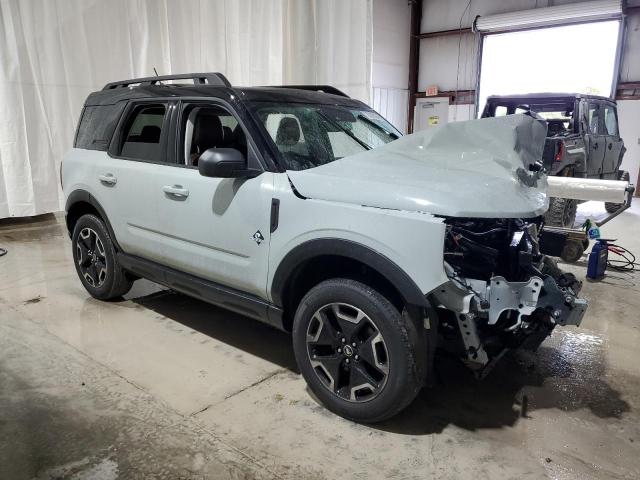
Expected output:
{"points": [[91, 257], [347, 352]]}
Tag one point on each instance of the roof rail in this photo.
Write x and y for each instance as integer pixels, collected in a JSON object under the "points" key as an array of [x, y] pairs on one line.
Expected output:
{"points": [[211, 78], [316, 88]]}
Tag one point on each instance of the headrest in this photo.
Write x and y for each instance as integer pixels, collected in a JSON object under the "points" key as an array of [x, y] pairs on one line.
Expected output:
{"points": [[207, 132], [150, 134], [288, 132]]}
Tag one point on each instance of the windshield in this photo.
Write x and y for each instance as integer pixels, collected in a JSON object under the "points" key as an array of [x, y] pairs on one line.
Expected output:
{"points": [[308, 135]]}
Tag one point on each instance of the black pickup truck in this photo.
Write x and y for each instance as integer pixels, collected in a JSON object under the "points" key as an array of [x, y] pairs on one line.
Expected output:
{"points": [[582, 140]]}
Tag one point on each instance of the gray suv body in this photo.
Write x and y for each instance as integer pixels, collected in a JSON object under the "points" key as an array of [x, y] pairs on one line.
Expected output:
{"points": [[303, 208]]}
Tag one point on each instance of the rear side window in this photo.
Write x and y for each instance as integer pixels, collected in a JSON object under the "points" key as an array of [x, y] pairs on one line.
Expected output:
{"points": [[142, 133], [97, 125]]}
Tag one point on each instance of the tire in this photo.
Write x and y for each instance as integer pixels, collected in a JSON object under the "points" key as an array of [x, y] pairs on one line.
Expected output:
{"points": [[572, 251], [379, 376], [94, 257], [561, 213], [614, 207]]}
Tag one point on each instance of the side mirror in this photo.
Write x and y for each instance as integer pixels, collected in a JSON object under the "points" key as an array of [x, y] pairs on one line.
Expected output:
{"points": [[223, 163]]}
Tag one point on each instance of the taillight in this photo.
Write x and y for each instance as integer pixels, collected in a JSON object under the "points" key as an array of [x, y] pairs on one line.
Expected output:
{"points": [[61, 187], [558, 156]]}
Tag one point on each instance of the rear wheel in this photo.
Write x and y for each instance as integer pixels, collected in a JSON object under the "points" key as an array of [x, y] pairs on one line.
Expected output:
{"points": [[95, 259], [561, 213], [614, 207], [360, 356], [572, 251]]}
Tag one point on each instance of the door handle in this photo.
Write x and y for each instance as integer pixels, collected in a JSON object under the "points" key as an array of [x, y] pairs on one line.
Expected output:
{"points": [[108, 179], [595, 146], [610, 146], [176, 191]]}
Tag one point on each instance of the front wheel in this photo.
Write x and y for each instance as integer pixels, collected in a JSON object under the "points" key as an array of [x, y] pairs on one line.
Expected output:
{"points": [[360, 356]]}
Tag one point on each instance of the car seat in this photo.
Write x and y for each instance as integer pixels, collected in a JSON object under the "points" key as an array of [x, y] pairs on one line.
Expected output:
{"points": [[207, 133]]}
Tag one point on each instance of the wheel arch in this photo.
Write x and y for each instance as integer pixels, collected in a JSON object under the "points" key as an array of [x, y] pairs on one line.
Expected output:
{"points": [[317, 260], [80, 202]]}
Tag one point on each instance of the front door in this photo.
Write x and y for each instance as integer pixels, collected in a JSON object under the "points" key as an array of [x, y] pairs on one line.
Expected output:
{"points": [[614, 144], [214, 228], [595, 139]]}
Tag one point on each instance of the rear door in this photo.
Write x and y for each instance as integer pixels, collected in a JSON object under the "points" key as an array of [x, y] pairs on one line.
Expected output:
{"points": [[124, 178], [595, 139], [614, 144]]}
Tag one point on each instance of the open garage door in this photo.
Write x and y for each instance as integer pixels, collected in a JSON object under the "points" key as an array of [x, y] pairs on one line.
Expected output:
{"points": [[567, 48]]}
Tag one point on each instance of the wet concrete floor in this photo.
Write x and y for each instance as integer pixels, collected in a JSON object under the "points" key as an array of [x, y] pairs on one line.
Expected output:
{"points": [[159, 385]]}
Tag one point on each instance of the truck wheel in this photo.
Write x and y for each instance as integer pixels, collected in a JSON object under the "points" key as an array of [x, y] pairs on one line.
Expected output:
{"points": [[561, 213], [359, 355], [572, 251], [614, 207], [95, 259]]}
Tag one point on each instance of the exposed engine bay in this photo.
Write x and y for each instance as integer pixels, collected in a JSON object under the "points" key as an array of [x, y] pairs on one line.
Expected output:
{"points": [[503, 293]]}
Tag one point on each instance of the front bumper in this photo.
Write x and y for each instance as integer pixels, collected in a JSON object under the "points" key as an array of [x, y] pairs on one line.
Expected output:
{"points": [[562, 304], [499, 295], [533, 309]]}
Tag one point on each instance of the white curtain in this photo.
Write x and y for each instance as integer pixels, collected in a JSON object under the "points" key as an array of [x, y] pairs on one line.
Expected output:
{"points": [[54, 52]]}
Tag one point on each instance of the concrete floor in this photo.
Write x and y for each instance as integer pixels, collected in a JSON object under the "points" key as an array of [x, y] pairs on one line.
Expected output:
{"points": [[163, 386]]}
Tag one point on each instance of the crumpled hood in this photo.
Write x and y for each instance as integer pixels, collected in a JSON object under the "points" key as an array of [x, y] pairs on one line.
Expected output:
{"points": [[478, 168]]}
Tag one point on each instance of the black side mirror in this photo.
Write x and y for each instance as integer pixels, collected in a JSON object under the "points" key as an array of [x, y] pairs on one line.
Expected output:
{"points": [[223, 163]]}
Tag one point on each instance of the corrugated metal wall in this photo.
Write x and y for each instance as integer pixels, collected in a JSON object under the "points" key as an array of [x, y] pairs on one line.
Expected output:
{"points": [[392, 104]]}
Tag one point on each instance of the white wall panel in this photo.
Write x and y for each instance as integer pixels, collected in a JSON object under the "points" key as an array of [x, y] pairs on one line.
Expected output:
{"points": [[628, 117], [461, 113], [439, 61], [390, 55], [390, 60], [392, 104], [630, 65]]}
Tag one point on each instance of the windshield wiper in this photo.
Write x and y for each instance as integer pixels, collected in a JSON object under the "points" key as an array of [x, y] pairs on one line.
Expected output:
{"points": [[377, 127], [337, 125]]}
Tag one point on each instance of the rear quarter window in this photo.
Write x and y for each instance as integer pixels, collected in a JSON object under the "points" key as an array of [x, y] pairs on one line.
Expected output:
{"points": [[97, 124]]}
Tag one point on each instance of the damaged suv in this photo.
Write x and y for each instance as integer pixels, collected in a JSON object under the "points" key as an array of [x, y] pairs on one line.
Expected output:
{"points": [[305, 209]]}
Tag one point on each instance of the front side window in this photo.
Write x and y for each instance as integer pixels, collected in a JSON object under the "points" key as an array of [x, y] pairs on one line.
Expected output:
{"points": [[610, 120], [308, 136], [209, 126], [594, 118], [143, 132]]}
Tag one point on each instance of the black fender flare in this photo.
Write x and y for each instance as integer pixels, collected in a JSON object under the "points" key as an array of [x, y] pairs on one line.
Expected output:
{"points": [[81, 195], [308, 250]]}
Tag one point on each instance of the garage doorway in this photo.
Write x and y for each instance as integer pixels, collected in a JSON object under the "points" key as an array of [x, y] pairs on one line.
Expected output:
{"points": [[578, 58]]}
